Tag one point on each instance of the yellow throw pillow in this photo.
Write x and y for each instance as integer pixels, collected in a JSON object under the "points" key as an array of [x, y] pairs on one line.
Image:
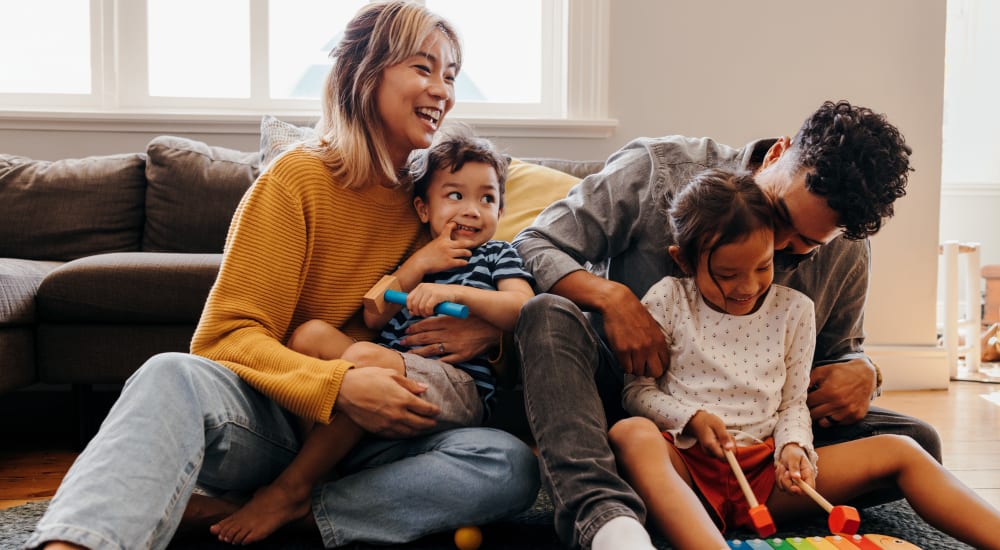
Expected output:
{"points": [[530, 188]]}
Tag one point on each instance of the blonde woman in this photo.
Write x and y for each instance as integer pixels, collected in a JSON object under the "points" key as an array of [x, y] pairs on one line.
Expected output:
{"points": [[317, 230]]}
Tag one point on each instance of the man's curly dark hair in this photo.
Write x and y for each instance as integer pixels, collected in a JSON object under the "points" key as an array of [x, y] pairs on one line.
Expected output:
{"points": [[857, 160]]}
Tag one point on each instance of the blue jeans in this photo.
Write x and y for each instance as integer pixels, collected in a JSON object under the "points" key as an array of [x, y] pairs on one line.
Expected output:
{"points": [[183, 420], [572, 393]]}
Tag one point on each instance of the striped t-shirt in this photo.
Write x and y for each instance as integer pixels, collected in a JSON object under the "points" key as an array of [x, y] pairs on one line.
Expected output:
{"points": [[489, 263]]}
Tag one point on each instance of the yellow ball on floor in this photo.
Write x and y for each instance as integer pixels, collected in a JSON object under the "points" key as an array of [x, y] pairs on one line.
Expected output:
{"points": [[468, 538]]}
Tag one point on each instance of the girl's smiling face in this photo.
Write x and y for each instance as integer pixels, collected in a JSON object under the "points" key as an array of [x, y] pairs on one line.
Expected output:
{"points": [[470, 197], [735, 277]]}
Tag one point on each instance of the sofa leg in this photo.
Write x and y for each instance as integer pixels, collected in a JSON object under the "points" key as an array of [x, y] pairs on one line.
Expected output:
{"points": [[83, 395]]}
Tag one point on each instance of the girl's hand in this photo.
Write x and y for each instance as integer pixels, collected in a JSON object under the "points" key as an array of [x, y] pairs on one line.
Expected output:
{"points": [[422, 300], [793, 462], [443, 253], [711, 433]]}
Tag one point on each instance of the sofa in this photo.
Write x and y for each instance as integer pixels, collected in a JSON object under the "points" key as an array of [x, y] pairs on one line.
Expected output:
{"points": [[107, 260]]}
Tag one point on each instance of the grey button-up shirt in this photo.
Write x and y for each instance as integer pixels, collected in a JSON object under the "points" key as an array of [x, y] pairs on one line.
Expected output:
{"points": [[614, 224]]}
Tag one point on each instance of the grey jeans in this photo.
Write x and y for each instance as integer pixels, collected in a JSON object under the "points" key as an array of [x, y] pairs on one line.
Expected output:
{"points": [[572, 392]]}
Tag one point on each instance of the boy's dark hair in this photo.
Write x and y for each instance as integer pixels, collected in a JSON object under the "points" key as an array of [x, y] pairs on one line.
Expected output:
{"points": [[717, 207], [857, 160], [451, 150]]}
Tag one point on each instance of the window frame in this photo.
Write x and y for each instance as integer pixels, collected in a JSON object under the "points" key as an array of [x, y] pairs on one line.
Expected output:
{"points": [[122, 104]]}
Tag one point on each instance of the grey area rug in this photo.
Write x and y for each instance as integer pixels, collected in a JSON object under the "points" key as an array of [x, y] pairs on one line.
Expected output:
{"points": [[531, 529]]}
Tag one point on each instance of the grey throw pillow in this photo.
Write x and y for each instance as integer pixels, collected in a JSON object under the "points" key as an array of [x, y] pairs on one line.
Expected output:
{"points": [[278, 136], [193, 191], [70, 208]]}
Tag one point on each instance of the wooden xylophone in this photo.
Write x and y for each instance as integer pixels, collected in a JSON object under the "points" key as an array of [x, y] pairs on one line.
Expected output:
{"points": [[828, 542]]}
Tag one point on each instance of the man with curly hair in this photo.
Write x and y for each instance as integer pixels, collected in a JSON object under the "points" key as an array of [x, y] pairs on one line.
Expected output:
{"points": [[596, 252]]}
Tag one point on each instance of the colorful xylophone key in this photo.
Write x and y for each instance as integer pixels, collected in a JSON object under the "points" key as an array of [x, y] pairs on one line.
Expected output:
{"points": [[830, 542]]}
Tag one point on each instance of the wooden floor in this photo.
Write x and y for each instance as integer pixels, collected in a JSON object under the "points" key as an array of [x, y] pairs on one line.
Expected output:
{"points": [[967, 416]]}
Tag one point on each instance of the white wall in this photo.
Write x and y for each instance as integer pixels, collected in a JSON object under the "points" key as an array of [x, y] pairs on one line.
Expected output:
{"points": [[736, 71]]}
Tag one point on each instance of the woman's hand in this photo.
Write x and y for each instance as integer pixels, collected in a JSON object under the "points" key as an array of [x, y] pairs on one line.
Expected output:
{"points": [[385, 402], [454, 340], [793, 463]]}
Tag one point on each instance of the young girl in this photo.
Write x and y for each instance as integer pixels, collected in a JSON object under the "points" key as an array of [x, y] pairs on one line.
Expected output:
{"points": [[458, 194], [320, 226], [740, 353]]}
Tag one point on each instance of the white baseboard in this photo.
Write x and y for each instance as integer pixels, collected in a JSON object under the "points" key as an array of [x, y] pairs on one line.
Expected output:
{"points": [[911, 367]]}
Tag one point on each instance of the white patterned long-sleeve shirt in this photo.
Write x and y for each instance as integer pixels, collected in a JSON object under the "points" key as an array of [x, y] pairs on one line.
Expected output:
{"points": [[752, 371]]}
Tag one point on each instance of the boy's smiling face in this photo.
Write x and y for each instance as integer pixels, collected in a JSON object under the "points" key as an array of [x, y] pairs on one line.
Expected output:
{"points": [[470, 197]]}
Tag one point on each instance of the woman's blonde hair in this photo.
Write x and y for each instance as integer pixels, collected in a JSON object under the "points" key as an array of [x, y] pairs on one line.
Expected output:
{"points": [[352, 139]]}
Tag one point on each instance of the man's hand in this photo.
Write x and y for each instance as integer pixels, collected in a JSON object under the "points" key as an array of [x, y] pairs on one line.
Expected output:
{"points": [[455, 340], [842, 392], [635, 337], [385, 402]]}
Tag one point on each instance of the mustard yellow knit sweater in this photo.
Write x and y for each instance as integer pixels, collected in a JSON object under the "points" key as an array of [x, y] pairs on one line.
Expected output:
{"points": [[301, 247]]}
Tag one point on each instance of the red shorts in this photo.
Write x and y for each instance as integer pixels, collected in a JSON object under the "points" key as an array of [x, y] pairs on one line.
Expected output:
{"points": [[718, 486]]}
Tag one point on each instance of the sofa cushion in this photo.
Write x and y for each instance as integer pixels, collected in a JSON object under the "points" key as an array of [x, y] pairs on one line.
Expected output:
{"points": [[135, 287], [67, 209], [530, 188], [192, 192], [19, 280], [578, 168], [278, 136]]}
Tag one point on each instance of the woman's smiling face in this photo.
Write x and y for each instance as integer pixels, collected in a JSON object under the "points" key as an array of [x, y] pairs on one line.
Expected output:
{"points": [[414, 96]]}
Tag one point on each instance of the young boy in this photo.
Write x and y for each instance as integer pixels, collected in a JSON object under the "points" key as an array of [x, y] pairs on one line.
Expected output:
{"points": [[458, 194]]}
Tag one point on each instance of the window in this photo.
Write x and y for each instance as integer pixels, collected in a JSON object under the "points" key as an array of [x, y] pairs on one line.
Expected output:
{"points": [[260, 56], [972, 84]]}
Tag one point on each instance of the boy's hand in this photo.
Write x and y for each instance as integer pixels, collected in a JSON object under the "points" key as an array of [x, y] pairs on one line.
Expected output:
{"points": [[711, 433], [422, 300], [793, 462], [443, 253]]}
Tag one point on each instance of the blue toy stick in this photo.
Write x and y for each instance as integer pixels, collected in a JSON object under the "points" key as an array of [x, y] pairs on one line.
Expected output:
{"points": [[447, 308]]}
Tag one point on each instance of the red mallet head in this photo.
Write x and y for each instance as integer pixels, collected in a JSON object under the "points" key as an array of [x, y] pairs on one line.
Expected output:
{"points": [[844, 520], [762, 521]]}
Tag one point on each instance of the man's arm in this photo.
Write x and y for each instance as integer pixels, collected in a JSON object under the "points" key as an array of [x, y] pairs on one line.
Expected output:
{"points": [[632, 332], [599, 219]]}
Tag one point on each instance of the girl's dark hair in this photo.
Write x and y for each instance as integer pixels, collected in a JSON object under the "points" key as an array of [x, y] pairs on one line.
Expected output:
{"points": [[717, 207], [452, 149]]}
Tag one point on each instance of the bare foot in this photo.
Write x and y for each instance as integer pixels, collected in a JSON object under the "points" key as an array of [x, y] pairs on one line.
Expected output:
{"points": [[270, 508], [202, 512], [60, 545]]}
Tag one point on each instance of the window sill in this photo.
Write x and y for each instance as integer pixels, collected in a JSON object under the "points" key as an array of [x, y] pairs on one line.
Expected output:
{"points": [[970, 189], [249, 123]]}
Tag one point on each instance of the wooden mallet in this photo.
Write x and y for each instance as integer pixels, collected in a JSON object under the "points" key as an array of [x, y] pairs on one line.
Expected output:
{"points": [[388, 290], [759, 515], [843, 520]]}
